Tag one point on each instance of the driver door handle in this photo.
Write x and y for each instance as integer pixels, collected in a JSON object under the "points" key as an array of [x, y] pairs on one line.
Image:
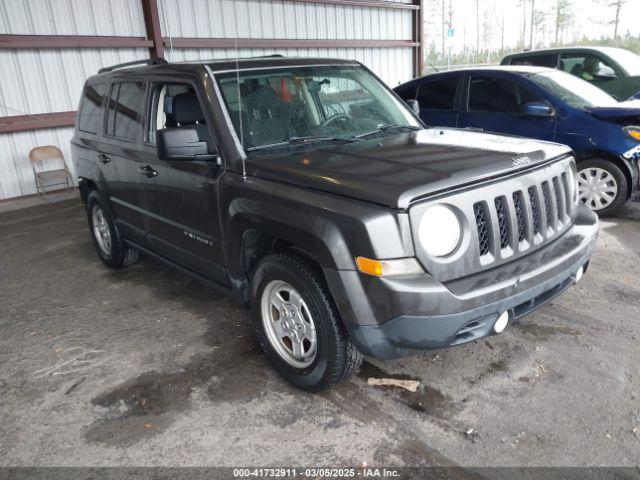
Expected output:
{"points": [[102, 158], [147, 171]]}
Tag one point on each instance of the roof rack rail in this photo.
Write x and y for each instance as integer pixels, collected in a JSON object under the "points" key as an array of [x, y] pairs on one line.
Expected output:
{"points": [[154, 61]]}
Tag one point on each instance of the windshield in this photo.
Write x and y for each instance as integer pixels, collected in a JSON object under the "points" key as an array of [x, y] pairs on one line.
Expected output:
{"points": [[626, 59], [280, 107], [573, 90]]}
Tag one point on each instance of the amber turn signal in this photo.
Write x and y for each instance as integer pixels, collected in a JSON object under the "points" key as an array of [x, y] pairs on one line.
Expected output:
{"points": [[369, 266], [379, 268]]}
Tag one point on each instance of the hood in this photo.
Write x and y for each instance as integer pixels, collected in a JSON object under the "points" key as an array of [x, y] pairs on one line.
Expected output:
{"points": [[622, 111], [395, 170]]}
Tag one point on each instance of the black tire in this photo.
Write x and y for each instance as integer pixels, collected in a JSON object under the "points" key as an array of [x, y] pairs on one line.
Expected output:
{"points": [[336, 357], [621, 182], [119, 254]]}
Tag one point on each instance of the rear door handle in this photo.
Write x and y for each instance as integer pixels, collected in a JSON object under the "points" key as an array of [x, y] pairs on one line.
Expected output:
{"points": [[147, 171], [102, 158]]}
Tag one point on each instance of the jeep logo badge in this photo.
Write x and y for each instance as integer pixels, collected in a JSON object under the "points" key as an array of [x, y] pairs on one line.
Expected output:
{"points": [[518, 161]]}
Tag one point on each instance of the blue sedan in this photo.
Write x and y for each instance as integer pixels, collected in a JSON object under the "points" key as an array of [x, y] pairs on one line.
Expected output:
{"points": [[545, 104]]}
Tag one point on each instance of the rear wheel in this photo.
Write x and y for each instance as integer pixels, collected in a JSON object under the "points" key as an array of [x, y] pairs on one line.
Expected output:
{"points": [[298, 325], [111, 249], [602, 186]]}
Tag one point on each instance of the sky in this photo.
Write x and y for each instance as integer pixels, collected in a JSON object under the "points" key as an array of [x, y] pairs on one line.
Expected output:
{"points": [[590, 17]]}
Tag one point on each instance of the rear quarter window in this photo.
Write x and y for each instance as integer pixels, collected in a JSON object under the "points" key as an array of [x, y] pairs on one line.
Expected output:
{"points": [[124, 116], [90, 112]]}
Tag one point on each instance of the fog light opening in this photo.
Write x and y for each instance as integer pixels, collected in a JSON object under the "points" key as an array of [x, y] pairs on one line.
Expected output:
{"points": [[501, 323], [579, 274]]}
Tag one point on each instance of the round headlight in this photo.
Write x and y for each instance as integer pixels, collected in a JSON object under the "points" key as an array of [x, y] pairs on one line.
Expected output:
{"points": [[439, 231]]}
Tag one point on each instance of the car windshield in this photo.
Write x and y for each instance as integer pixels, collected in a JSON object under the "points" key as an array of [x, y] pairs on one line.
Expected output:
{"points": [[626, 59], [573, 90], [282, 107]]}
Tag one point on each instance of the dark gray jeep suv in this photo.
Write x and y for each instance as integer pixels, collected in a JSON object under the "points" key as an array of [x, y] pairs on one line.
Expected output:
{"points": [[309, 191]]}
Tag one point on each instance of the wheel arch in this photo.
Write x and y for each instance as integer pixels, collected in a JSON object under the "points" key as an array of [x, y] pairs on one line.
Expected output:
{"points": [[626, 167]]}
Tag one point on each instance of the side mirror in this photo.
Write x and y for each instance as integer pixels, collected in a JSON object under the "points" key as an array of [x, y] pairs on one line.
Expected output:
{"points": [[182, 144], [414, 106], [537, 109], [605, 76]]}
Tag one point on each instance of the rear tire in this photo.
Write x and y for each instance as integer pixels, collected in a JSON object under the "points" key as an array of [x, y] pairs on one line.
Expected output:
{"points": [[325, 355], [602, 186], [111, 248]]}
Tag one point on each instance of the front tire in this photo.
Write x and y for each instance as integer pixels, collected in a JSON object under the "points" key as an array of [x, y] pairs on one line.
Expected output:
{"points": [[297, 323], [602, 186], [111, 249]]}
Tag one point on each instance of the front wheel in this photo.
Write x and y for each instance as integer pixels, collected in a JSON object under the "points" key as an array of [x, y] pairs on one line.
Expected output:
{"points": [[298, 325], [602, 186]]}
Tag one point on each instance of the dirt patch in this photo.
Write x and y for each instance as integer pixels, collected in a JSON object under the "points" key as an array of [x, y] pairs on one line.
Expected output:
{"points": [[545, 331], [426, 399]]}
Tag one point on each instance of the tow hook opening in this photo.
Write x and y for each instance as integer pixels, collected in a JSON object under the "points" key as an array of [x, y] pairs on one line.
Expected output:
{"points": [[502, 322]]}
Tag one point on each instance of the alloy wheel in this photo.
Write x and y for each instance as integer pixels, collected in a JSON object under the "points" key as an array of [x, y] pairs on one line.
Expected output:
{"points": [[101, 230], [287, 321]]}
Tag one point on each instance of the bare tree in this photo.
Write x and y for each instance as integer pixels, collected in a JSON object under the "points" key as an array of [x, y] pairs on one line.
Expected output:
{"points": [[500, 23], [538, 24], [487, 32], [563, 17], [617, 6], [443, 22], [523, 4], [477, 27], [533, 16]]}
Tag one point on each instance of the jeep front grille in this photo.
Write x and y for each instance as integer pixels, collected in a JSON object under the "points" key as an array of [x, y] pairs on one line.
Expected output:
{"points": [[512, 218], [507, 219]]}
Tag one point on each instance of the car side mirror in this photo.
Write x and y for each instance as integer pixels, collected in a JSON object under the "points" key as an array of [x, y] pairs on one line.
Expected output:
{"points": [[182, 144], [414, 105], [537, 109], [605, 75]]}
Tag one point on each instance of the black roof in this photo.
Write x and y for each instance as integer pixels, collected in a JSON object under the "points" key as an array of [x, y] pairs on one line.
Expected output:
{"points": [[219, 65]]}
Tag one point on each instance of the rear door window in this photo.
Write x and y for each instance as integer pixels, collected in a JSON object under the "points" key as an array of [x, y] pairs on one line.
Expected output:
{"points": [[124, 113], [546, 60], [491, 94], [90, 112], [438, 94], [498, 95]]}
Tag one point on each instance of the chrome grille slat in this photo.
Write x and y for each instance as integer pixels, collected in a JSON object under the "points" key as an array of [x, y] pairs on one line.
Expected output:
{"points": [[535, 210], [561, 200], [503, 225], [551, 215], [520, 212], [482, 226]]}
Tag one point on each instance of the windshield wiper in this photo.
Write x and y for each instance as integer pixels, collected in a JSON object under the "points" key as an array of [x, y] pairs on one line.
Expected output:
{"points": [[302, 140], [313, 138], [384, 128]]}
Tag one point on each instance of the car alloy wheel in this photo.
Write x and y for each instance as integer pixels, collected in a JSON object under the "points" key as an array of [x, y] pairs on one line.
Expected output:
{"points": [[101, 230], [287, 321], [597, 188]]}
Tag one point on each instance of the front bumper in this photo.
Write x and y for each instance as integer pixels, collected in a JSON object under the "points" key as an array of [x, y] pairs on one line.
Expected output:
{"points": [[391, 317]]}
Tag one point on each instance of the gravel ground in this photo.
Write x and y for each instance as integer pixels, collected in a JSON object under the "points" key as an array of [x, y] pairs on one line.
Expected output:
{"points": [[145, 366]]}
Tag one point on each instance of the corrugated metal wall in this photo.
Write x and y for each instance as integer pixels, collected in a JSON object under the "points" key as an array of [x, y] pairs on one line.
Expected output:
{"points": [[42, 81]]}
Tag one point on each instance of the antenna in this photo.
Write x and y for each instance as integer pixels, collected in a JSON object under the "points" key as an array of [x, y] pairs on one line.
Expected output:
{"points": [[166, 26], [244, 166]]}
